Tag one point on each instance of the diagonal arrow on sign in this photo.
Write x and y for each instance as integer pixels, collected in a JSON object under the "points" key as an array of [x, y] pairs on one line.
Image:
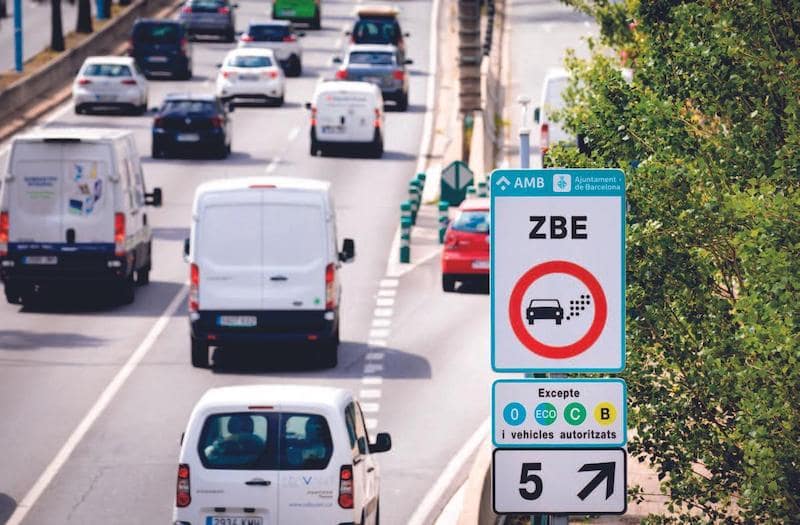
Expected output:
{"points": [[605, 472]]}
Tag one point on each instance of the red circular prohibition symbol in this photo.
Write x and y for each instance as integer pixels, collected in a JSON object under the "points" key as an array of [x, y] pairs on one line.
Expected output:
{"points": [[518, 294]]}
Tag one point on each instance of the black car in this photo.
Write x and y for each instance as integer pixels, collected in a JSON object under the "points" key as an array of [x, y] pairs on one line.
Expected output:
{"points": [[196, 123], [210, 17], [161, 46], [378, 25]]}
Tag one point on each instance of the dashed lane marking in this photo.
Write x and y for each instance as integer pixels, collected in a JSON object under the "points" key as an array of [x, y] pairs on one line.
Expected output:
{"points": [[294, 133]]}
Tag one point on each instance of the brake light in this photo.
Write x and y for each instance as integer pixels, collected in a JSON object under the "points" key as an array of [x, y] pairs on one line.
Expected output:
{"points": [[216, 121], [228, 74], [186, 9], [247, 38], [185, 46], [330, 286], [398, 74], [377, 117], [223, 10], [119, 234], [341, 74], [346, 487], [290, 38], [544, 142], [129, 82], [84, 81], [158, 122], [183, 496], [194, 288], [313, 116], [270, 74], [4, 233]]}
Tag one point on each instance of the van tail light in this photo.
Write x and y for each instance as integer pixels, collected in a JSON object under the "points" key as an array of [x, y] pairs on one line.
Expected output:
{"points": [[129, 82], [398, 74], [194, 288], [341, 74], [313, 116], [290, 38], [183, 496], [84, 81], [377, 117], [330, 286], [216, 121], [186, 9], [247, 38], [544, 142], [346, 487], [223, 10], [119, 234], [4, 233]]}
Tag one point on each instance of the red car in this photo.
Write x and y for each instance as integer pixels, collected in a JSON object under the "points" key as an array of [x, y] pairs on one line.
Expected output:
{"points": [[465, 257]]}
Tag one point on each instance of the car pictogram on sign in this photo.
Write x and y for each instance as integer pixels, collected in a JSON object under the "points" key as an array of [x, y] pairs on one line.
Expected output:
{"points": [[544, 309]]}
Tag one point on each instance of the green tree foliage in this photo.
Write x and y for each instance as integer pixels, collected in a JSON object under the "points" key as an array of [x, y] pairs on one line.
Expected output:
{"points": [[709, 137]]}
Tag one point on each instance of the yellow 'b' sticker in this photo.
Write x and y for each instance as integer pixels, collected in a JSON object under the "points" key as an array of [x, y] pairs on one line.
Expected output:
{"points": [[605, 413]]}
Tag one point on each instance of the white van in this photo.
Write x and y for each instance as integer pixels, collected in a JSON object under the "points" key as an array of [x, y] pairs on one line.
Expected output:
{"points": [[265, 265], [270, 454], [347, 115], [555, 82], [72, 210]]}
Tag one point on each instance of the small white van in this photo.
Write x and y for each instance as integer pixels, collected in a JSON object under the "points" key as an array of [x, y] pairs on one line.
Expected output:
{"points": [[265, 265], [556, 81], [347, 115], [73, 210], [270, 454]]}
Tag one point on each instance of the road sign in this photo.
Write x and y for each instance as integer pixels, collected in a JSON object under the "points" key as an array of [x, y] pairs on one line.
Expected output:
{"points": [[558, 270], [559, 413], [456, 177], [551, 481]]}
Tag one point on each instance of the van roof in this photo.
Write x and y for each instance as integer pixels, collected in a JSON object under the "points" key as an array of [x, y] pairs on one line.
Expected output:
{"points": [[247, 182], [377, 11], [72, 134], [270, 395], [556, 72], [346, 85]]}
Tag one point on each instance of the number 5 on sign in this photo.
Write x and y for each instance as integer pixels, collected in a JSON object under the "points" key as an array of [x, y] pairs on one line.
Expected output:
{"points": [[526, 477]]}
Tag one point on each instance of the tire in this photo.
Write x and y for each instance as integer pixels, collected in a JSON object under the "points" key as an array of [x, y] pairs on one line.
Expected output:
{"points": [[143, 276], [12, 295], [377, 147], [378, 513], [157, 153], [402, 102], [448, 283], [128, 290], [329, 351], [199, 354], [223, 151], [294, 68], [78, 110], [316, 22], [558, 321], [142, 109], [186, 74], [230, 35]]}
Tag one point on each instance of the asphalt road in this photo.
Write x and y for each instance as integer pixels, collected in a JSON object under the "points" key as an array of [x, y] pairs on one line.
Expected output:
{"points": [[35, 29], [428, 386]]}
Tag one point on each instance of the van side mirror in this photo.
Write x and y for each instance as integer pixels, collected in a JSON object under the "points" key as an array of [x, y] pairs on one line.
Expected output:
{"points": [[301, 33], [406, 34], [408, 61], [337, 60], [383, 443], [308, 105], [230, 107], [347, 33], [348, 253], [218, 65], [154, 198], [537, 113], [186, 247]]}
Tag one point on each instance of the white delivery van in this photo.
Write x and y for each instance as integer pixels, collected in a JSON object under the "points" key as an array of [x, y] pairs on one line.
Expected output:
{"points": [[73, 210], [556, 81], [347, 115], [271, 454], [265, 265]]}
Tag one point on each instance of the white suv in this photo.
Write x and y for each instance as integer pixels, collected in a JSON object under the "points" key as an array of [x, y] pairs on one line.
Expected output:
{"points": [[267, 454]]}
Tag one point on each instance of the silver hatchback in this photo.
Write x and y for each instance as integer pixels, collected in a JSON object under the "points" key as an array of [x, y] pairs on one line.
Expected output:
{"points": [[209, 17]]}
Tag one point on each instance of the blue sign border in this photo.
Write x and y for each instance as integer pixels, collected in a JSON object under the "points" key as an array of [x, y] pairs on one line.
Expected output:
{"points": [[566, 445], [547, 191]]}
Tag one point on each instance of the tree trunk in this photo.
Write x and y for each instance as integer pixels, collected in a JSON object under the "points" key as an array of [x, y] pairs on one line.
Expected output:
{"points": [[84, 20], [56, 27]]}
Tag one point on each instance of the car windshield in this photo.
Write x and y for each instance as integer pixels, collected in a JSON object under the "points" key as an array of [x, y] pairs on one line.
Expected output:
{"points": [[544, 303], [107, 70], [472, 221], [265, 441], [156, 33], [189, 106], [373, 59], [376, 32], [206, 6], [268, 33], [249, 61]]}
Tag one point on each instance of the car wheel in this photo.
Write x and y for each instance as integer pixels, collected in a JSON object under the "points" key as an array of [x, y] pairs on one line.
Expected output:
{"points": [[279, 101], [316, 22], [156, 152], [128, 290], [378, 513], [199, 354], [402, 102], [12, 294], [448, 283], [230, 36], [294, 68], [329, 353], [79, 110], [377, 146], [143, 276]]}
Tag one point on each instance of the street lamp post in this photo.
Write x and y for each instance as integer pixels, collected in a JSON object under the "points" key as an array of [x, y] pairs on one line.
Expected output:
{"points": [[524, 134], [18, 35]]}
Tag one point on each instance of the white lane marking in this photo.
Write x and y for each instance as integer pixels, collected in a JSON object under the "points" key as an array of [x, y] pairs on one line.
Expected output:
{"points": [[376, 342], [381, 323], [383, 312], [294, 133], [370, 407], [371, 424], [372, 380], [372, 368], [370, 393], [106, 397], [272, 166], [387, 293], [374, 356], [58, 113], [379, 333], [427, 509], [345, 28], [389, 283], [384, 301]]}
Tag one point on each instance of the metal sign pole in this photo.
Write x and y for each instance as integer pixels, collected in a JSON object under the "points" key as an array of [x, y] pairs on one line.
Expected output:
{"points": [[18, 35], [524, 134]]}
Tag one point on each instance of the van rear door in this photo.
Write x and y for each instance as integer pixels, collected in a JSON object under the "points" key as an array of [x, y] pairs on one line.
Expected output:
{"points": [[228, 250], [294, 247], [346, 116], [88, 203]]}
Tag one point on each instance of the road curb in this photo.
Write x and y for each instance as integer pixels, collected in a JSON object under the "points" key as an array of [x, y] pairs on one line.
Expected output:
{"points": [[478, 489]]}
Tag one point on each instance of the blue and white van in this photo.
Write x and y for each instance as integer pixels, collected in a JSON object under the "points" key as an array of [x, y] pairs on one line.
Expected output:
{"points": [[73, 211]]}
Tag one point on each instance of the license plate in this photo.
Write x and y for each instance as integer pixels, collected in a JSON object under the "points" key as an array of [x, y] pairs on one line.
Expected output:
{"points": [[373, 80], [480, 265], [238, 321], [40, 259], [105, 98], [333, 129], [288, 12], [233, 520], [188, 137], [248, 77], [157, 59]]}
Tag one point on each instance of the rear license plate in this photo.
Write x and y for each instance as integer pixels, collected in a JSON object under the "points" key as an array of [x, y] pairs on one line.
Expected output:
{"points": [[105, 98], [233, 520], [188, 137], [480, 265], [40, 259], [157, 59], [333, 129], [248, 77], [288, 12], [238, 321], [373, 80]]}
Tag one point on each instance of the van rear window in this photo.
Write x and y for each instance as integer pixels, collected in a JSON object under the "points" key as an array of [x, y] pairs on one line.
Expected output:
{"points": [[265, 441], [156, 33]]}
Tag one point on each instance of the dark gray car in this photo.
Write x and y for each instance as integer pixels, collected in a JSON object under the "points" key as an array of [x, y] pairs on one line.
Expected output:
{"points": [[210, 17], [381, 65]]}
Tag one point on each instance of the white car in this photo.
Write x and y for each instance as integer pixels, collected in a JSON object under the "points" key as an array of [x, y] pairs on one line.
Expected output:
{"points": [[268, 454], [281, 38], [251, 74], [110, 82]]}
